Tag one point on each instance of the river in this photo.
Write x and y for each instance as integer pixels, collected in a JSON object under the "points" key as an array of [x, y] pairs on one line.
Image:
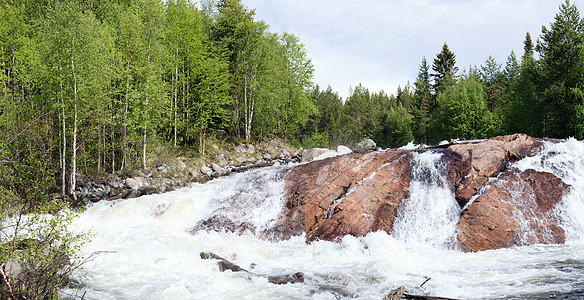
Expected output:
{"points": [[141, 248]]}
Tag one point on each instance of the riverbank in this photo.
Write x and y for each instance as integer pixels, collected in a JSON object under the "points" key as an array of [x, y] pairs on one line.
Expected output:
{"points": [[169, 171]]}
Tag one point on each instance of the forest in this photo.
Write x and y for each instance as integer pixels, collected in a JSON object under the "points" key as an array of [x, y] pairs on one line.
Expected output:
{"points": [[94, 84]]}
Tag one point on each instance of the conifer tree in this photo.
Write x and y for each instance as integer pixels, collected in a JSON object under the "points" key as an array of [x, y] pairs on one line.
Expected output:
{"points": [[444, 67]]}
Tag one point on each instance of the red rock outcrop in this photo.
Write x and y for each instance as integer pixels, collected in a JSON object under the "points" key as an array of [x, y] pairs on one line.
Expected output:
{"points": [[515, 209], [361, 192], [351, 194], [487, 159]]}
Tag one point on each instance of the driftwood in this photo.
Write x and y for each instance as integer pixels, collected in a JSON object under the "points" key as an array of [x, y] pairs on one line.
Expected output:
{"points": [[420, 297], [227, 265], [251, 167], [400, 293]]}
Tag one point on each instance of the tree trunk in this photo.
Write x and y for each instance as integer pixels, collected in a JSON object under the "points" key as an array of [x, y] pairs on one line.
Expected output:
{"points": [[175, 90], [124, 121], [74, 143], [63, 129], [146, 111]]}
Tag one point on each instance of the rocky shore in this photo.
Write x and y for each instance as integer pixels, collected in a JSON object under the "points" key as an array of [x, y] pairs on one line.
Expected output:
{"points": [[168, 176]]}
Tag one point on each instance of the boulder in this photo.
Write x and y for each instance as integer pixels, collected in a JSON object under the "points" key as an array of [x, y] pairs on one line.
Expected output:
{"points": [[217, 168], [352, 194], [343, 150], [180, 166], [206, 170], [366, 144], [132, 183], [514, 209], [311, 154], [488, 158]]}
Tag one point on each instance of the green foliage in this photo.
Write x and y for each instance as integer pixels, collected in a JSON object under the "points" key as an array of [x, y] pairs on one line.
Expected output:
{"points": [[463, 113], [316, 140]]}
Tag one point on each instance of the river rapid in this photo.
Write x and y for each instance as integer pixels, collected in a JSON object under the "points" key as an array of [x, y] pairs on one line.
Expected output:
{"points": [[141, 248]]}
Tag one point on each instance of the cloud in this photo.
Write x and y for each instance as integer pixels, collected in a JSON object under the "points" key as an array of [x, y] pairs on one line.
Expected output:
{"points": [[381, 43]]}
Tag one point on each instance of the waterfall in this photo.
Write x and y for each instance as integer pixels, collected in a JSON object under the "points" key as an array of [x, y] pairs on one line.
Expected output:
{"points": [[566, 161], [430, 214]]}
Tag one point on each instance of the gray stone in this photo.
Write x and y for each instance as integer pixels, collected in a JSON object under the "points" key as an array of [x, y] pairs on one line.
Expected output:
{"points": [[206, 170], [285, 154], [132, 183], [241, 160], [113, 182], [180, 165], [343, 149], [241, 149], [251, 149], [311, 154], [367, 144], [217, 168], [267, 156]]}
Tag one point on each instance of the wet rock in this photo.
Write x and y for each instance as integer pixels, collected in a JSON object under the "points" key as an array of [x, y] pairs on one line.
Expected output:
{"points": [[514, 209], [131, 194], [352, 194], [220, 223], [488, 158], [297, 277]]}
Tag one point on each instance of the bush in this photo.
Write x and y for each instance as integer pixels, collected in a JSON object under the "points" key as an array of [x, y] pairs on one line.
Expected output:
{"points": [[37, 252]]}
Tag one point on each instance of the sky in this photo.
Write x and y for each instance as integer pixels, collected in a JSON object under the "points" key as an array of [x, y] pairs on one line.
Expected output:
{"points": [[381, 43]]}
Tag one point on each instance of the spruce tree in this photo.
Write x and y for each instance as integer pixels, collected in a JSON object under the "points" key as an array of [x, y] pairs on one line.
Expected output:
{"points": [[445, 69]]}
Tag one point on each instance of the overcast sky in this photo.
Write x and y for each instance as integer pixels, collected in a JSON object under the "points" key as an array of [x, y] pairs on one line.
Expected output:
{"points": [[381, 43]]}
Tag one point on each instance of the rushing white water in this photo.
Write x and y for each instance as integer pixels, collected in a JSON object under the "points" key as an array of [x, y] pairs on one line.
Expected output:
{"points": [[430, 214], [150, 254]]}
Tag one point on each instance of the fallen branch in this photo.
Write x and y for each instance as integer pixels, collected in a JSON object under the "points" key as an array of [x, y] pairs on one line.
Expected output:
{"points": [[227, 265], [400, 293], [420, 297]]}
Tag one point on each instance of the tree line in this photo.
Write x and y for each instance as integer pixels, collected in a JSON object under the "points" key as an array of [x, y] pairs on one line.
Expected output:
{"points": [[540, 94]]}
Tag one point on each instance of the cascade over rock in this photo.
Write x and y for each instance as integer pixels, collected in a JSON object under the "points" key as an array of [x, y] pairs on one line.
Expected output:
{"points": [[515, 209], [488, 158], [367, 191]]}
